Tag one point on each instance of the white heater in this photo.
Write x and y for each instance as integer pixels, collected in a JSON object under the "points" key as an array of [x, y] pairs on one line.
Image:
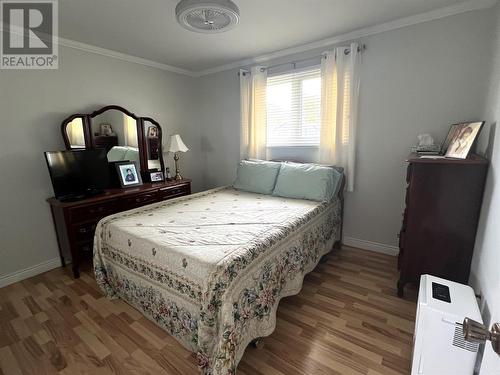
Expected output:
{"points": [[439, 347]]}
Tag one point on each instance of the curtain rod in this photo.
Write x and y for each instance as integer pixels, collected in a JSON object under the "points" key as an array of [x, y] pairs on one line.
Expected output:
{"points": [[347, 50]]}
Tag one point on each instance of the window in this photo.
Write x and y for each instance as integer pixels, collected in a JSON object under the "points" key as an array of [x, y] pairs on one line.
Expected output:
{"points": [[294, 109]]}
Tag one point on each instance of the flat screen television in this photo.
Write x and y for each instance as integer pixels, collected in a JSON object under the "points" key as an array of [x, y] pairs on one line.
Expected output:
{"points": [[77, 174]]}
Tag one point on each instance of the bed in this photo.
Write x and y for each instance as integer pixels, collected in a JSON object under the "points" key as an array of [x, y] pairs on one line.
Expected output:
{"points": [[211, 268]]}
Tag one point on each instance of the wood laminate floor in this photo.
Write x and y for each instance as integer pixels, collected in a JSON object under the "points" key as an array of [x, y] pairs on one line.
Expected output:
{"points": [[346, 320]]}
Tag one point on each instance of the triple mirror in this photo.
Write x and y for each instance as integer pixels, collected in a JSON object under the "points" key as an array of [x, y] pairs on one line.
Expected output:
{"points": [[124, 136]]}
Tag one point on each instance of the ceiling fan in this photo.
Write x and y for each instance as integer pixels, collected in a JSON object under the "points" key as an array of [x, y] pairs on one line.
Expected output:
{"points": [[207, 16]]}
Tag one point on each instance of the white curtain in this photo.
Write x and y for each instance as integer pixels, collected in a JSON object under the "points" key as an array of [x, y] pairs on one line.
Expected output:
{"points": [[75, 133], [253, 87], [130, 127], [339, 109]]}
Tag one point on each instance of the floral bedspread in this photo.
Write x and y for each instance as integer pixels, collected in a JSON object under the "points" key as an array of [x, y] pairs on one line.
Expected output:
{"points": [[210, 268]]}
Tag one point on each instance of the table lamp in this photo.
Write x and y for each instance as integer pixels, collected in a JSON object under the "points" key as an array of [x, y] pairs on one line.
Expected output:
{"points": [[176, 146]]}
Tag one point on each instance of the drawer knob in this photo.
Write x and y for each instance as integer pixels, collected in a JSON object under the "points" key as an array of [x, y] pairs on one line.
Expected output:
{"points": [[87, 229]]}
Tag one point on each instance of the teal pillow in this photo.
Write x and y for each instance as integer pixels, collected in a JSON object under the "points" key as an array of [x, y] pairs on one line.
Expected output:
{"points": [[256, 176], [267, 162], [307, 181]]}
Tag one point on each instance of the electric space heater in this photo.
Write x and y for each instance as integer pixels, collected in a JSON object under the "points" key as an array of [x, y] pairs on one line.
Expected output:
{"points": [[439, 347]]}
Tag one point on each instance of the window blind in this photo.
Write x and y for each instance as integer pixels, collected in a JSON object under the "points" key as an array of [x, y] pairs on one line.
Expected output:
{"points": [[294, 108]]}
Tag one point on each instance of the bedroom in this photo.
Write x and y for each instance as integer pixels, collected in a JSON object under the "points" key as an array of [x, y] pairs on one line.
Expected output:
{"points": [[421, 67]]}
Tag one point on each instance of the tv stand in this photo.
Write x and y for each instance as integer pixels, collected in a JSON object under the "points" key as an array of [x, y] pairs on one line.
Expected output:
{"points": [[93, 192], [75, 221], [72, 198], [89, 193]]}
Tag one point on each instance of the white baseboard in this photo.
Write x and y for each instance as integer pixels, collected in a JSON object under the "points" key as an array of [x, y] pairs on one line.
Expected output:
{"points": [[29, 272], [371, 246]]}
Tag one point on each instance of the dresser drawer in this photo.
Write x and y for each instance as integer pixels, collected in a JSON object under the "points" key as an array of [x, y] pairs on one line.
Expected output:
{"points": [[174, 191], [84, 232], [140, 200], [93, 212], [85, 247]]}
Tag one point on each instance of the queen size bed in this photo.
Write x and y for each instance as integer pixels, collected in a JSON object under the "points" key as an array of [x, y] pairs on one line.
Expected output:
{"points": [[211, 268]]}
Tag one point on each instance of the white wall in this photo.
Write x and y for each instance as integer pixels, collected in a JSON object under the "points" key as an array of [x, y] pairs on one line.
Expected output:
{"points": [[219, 127], [485, 272], [33, 104], [415, 80]]}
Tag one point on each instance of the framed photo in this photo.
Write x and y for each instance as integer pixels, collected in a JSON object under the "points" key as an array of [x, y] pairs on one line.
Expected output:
{"points": [[156, 176], [106, 129], [153, 132], [127, 172], [464, 137], [449, 138]]}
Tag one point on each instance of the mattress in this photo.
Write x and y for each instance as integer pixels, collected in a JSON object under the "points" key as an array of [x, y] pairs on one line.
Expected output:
{"points": [[210, 268]]}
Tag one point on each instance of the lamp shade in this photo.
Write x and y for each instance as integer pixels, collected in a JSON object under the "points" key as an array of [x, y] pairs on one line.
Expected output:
{"points": [[176, 144]]}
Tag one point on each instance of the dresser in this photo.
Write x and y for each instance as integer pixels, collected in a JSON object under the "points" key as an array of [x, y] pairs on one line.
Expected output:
{"points": [[443, 202], [105, 141], [75, 222]]}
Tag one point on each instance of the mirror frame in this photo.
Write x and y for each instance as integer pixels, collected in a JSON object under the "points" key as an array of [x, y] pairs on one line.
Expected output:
{"points": [[141, 139], [86, 128]]}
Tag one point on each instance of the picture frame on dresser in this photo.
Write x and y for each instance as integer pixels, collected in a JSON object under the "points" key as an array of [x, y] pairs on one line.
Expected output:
{"points": [[152, 132], [106, 129], [156, 176], [450, 137], [128, 174], [464, 138]]}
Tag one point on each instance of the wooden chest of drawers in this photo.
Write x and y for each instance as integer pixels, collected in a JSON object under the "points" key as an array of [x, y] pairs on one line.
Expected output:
{"points": [[443, 202], [75, 222], [106, 142]]}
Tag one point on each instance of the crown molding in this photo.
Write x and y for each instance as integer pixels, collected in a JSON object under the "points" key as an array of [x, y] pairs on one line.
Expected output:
{"points": [[467, 6], [448, 11], [123, 56], [108, 53]]}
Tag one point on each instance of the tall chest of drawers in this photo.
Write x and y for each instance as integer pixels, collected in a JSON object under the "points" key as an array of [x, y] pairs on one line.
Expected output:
{"points": [[75, 222], [443, 203]]}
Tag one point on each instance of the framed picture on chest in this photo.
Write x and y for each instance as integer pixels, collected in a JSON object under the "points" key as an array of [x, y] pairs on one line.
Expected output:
{"points": [[461, 139], [128, 175]]}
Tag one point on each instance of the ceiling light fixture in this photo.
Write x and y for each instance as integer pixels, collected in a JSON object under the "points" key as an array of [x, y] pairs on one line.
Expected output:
{"points": [[207, 16]]}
